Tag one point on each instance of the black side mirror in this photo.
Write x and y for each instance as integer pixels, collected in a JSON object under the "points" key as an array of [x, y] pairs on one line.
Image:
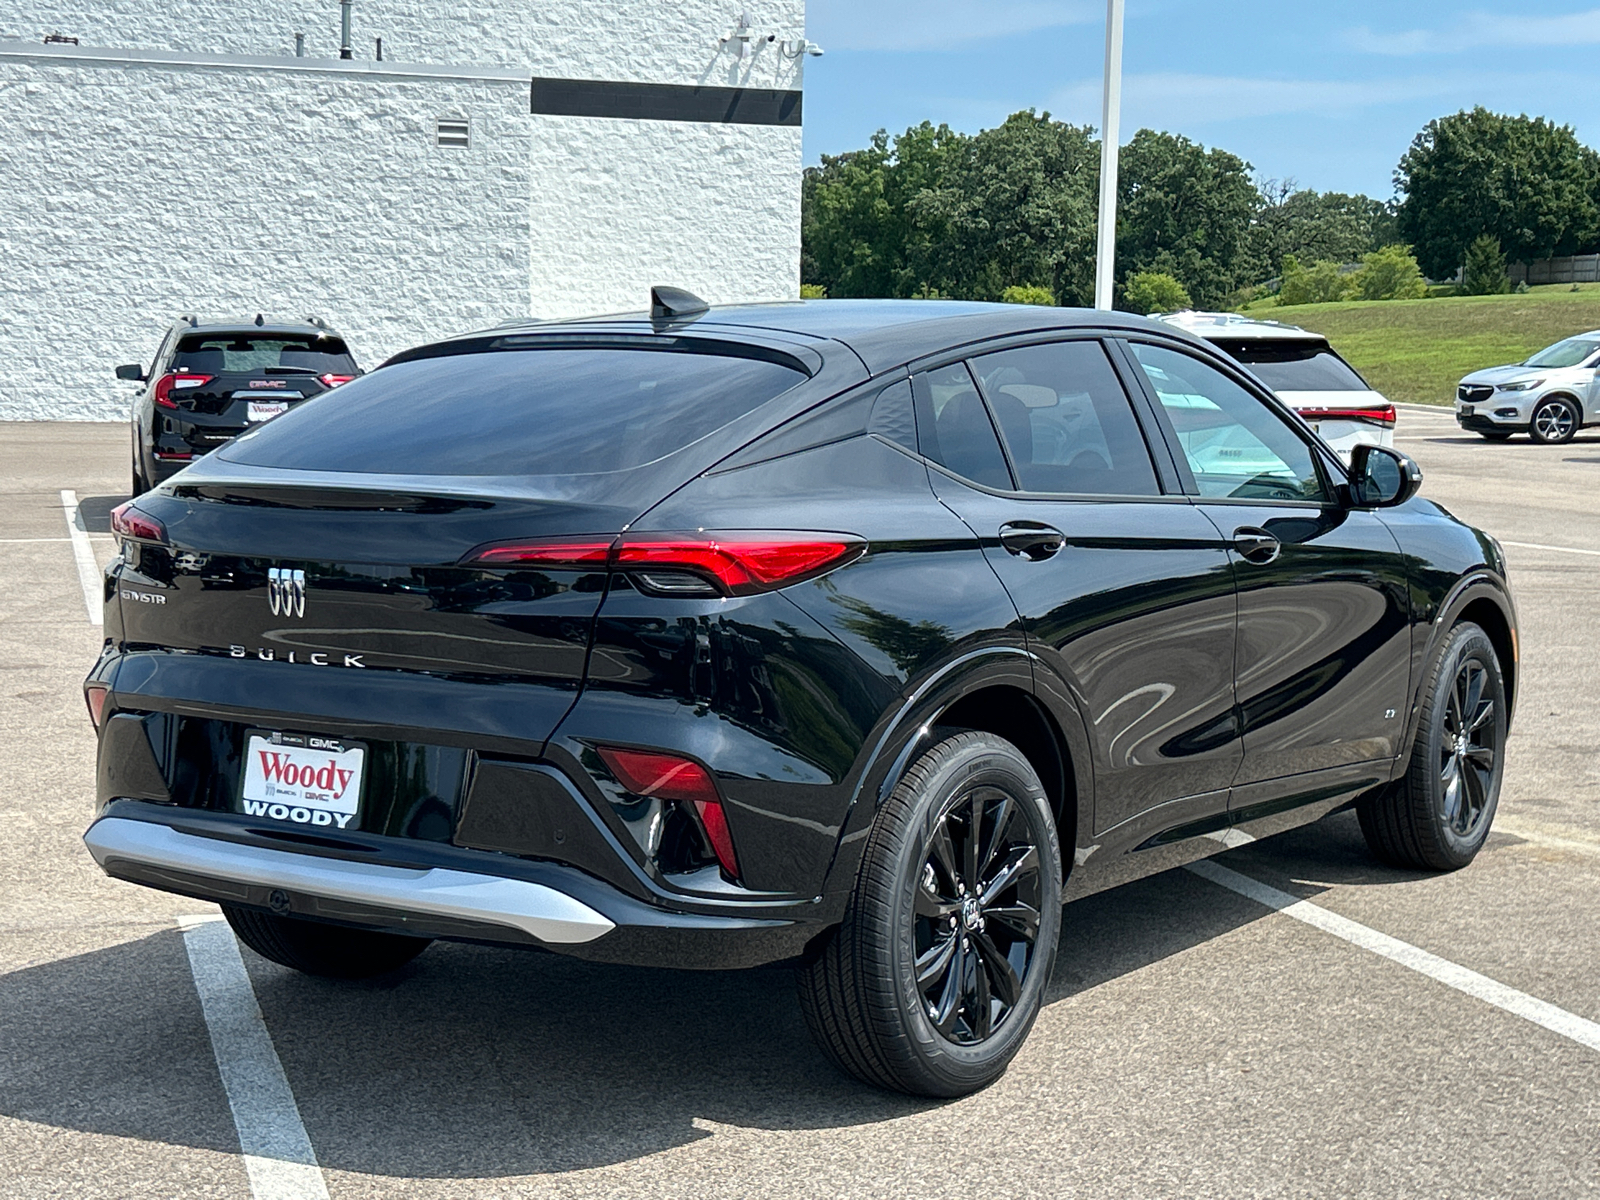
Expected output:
{"points": [[132, 372], [1381, 477]]}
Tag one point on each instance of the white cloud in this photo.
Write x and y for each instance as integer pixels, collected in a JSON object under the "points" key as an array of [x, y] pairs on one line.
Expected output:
{"points": [[1484, 29], [936, 24], [1176, 101]]}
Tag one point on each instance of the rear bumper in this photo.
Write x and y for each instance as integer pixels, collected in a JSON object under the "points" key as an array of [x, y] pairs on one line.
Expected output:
{"points": [[434, 891], [540, 912]]}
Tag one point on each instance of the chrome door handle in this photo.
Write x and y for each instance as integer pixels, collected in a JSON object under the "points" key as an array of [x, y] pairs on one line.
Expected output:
{"points": [[1256, 545], [1031, 539]]}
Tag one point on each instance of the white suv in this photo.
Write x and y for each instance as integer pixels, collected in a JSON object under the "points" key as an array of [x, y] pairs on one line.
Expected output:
{"points": [[1304, 371], [1550, 397]]}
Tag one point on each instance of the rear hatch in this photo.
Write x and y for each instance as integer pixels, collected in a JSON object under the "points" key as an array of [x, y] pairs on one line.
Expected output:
{"points": [[344, 536]]}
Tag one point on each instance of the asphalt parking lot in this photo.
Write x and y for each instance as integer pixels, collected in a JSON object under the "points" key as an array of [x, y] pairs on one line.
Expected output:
{"points": [[1195, 1041]]}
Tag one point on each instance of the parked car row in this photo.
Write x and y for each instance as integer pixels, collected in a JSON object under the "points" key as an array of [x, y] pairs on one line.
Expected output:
{"points": [[840, 634]]}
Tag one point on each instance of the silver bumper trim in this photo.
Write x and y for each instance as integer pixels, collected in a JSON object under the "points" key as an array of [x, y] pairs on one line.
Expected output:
{"points": [[540, 911]]}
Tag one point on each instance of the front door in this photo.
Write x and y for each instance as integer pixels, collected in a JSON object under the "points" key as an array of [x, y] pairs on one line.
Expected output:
{"points": [[1125, 591], [1323, 662]]}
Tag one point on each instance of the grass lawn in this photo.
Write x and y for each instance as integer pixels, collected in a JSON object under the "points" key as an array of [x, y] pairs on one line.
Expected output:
{"points": [[1417, 350]]}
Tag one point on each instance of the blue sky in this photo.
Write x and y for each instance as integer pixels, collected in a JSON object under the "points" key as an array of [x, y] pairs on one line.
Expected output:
{"points": [[1328, 93]]}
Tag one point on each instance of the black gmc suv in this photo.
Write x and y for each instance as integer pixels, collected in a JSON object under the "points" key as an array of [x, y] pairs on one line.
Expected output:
{"points": [[209, 382]]}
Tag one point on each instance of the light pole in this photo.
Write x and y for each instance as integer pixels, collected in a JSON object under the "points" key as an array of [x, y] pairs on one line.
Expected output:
{"points": [[1110, 116]]}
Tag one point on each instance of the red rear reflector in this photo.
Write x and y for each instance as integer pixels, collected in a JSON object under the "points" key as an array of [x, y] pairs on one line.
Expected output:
{"points": [[646, 773], [175, 455], [95, 694], [127, 521], [168, 383], [334, 381], [738, 562], [1376, 414]]}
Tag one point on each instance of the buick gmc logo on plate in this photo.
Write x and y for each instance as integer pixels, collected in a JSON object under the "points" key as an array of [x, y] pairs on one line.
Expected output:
{"points": [[286, 592], [302, 780]]}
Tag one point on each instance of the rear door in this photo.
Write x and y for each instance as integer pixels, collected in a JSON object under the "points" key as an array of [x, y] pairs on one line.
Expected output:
{"points": [[1123, 587], [1323, 663]]}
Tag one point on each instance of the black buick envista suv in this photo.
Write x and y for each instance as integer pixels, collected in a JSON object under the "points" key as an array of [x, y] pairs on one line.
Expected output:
{"points": [[835, 633]]}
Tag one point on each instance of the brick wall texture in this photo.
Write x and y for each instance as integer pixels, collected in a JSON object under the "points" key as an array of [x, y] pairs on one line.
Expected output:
{"points": [[133, 191]]}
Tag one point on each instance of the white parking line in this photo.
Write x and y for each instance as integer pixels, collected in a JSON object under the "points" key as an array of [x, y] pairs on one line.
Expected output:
{"points": [[1542, 546], [1481, 987], [83, 554], [277, 1152]]}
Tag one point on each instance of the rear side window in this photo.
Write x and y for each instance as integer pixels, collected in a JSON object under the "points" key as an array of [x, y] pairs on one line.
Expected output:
{"points": [[518, 412], [1296, 366], [1066, 420], [953, 427], [244, 354]]}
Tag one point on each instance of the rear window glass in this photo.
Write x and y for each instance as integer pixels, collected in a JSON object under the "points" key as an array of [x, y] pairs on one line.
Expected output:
{"points": [[518, 412], [244, 353], [1296, 366]]}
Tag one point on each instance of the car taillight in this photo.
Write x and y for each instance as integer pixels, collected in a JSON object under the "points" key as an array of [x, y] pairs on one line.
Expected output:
{"points": [[1373, 414], [95, 694], [333, 381], [727, 563], [669, 777], [168, 384], [128, 522]]}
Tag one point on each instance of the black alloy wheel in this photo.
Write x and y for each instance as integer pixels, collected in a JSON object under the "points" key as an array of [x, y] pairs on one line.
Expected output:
{"points": [[1555, 421], [1438, 816], [977, 914], [937, 972]]}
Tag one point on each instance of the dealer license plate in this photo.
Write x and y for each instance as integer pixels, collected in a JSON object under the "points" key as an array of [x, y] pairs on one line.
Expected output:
{"points": [[265, 410], [302, 779]]}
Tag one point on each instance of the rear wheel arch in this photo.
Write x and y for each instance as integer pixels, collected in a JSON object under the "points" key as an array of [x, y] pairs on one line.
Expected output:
{"points": [[1014, 714]]}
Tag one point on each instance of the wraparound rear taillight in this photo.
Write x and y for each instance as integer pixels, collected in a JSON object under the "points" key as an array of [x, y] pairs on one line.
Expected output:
{"points": [[177, 381], [736, 562], [1373, 414], [128, 522]]}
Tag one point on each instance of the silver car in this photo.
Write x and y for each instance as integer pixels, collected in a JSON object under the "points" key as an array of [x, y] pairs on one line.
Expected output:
{"points": [[1305, 372], [1550, 397]]}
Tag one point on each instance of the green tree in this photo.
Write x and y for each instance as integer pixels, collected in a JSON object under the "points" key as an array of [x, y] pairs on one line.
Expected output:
{"points": [[1389, 274], [859, 233], [1153, 292], [1485, 273], [1321, 283], [1028, 295], [1185, 211], [1016, 209], [1522, 180], [1316, 226]]}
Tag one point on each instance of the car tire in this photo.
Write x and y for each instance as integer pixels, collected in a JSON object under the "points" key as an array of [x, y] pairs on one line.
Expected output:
{"points": [[314, 948], [1555, 421], [1496, 435], [932, 981], [139, 484], [1438, 816]]}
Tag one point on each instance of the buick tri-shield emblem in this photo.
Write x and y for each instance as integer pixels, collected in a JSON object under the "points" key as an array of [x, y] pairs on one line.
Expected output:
{"points": [[286, 592]]}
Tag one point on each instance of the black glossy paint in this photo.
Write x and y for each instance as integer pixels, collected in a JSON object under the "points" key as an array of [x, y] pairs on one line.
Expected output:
{"points": [[1162, 685]]}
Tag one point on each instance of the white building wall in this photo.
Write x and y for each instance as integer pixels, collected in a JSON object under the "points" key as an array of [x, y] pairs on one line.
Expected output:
{"points": [[136, 184], [631, 40]]}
